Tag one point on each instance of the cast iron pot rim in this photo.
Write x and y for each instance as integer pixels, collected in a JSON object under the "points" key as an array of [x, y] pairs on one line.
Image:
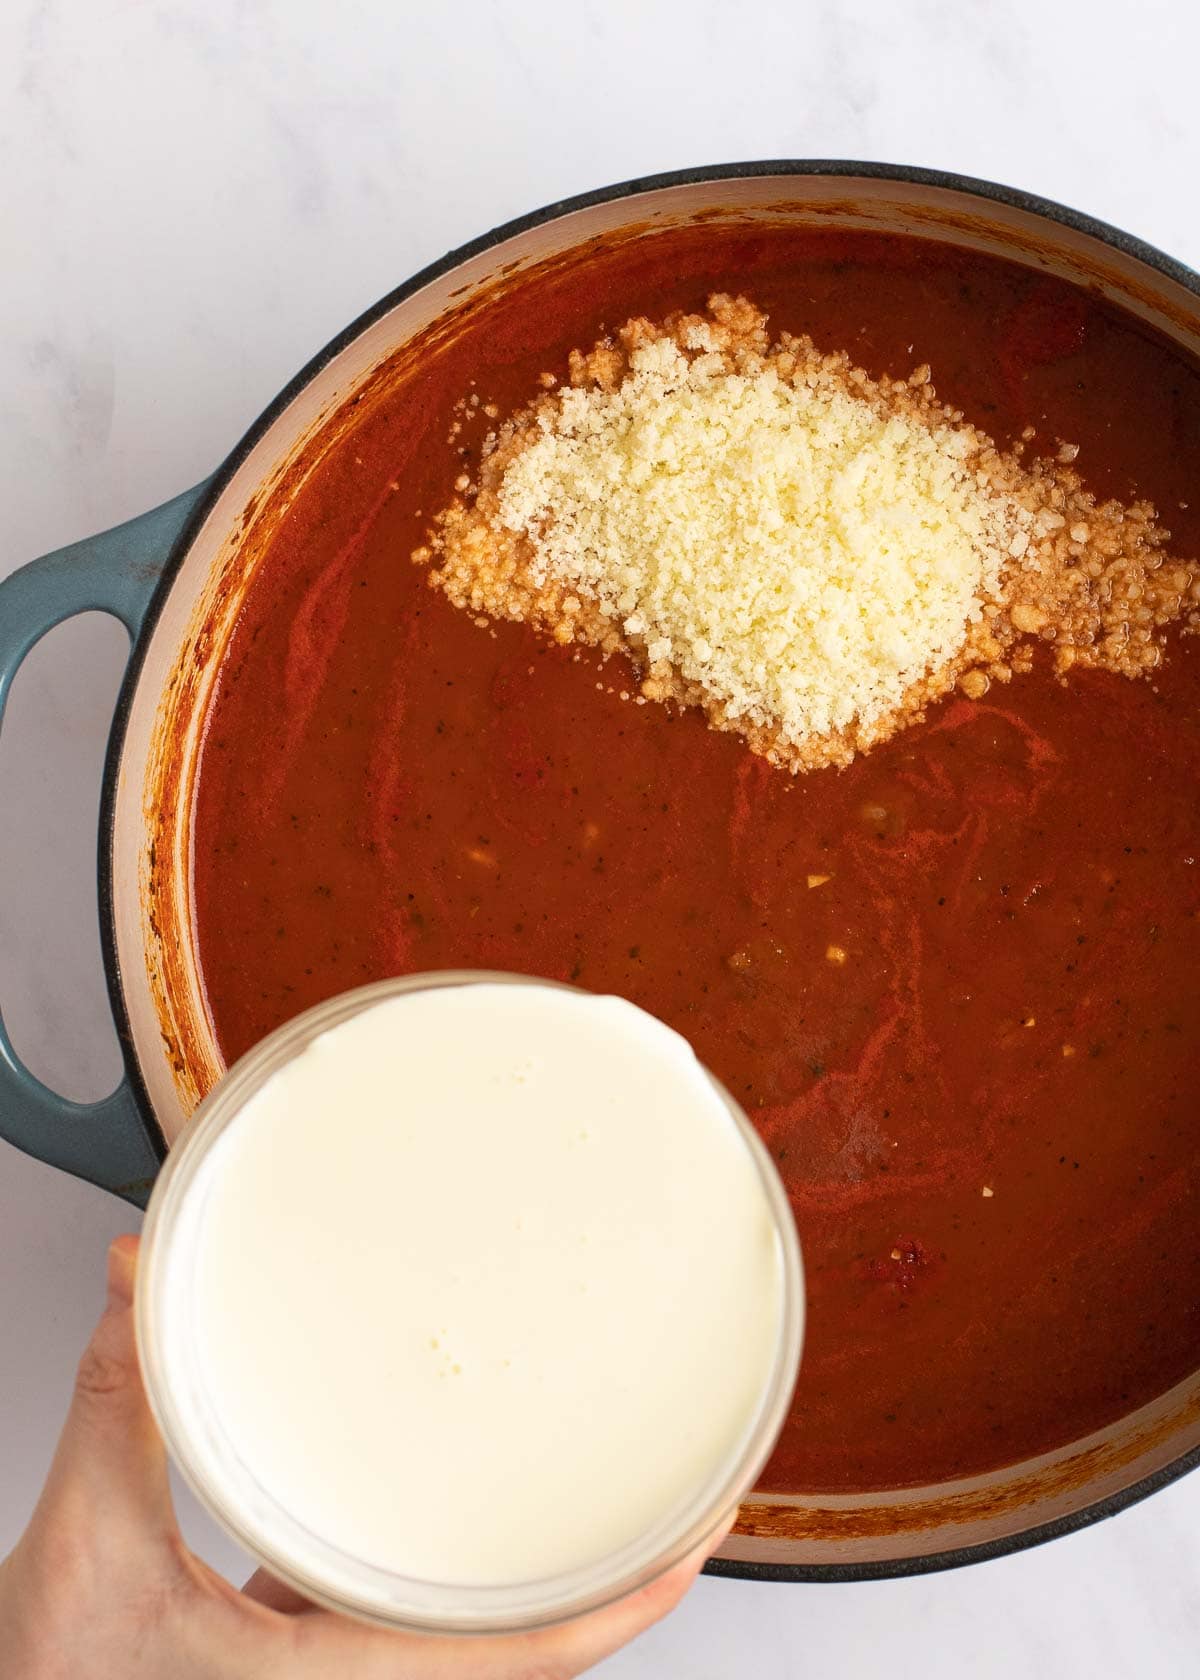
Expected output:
{"points": [[1015, 197]]}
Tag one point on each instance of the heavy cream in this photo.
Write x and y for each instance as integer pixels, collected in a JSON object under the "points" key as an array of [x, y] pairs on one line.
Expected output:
{"points": [[485, 1282]]}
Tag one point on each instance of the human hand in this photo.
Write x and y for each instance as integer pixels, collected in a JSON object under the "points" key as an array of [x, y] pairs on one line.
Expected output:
{"points": [[102, 1586]]}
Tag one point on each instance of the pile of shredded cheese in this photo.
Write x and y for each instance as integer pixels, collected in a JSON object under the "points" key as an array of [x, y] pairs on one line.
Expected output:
{"points": [[810, 554]]}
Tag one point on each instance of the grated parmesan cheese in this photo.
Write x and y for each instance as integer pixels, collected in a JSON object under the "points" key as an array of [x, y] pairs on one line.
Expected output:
{"points": [[781, 544], [810, 554]]}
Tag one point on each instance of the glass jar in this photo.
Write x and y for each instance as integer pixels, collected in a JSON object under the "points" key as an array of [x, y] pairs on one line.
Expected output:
{"points": [[323, 1572]]}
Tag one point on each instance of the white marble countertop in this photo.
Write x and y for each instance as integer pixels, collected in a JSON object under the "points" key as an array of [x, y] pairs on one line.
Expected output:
{"points": [[194, 195]]}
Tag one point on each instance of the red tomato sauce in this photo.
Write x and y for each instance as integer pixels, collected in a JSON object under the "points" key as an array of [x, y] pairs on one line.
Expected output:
{"points": [[1015, 884]]}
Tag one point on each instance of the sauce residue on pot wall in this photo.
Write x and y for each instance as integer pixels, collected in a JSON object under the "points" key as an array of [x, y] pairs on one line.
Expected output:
{"points": [[955, 985]]}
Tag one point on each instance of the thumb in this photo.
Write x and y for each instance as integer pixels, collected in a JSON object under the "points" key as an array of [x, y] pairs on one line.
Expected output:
{"points": [[111, 1463]]}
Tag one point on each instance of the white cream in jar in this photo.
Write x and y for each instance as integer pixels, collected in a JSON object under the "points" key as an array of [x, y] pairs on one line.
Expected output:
{"points": [[484, 1286]]}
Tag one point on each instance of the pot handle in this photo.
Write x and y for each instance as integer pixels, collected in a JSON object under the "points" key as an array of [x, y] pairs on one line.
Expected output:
{"points": [[106, 1142]]}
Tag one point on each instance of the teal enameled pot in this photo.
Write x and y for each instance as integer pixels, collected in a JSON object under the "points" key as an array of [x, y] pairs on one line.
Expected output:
{"points": [[174, 577]]}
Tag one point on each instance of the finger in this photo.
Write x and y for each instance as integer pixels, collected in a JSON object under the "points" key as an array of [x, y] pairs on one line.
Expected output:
{"points": [[110, 1458], [263, 1588], [579, 1645]]}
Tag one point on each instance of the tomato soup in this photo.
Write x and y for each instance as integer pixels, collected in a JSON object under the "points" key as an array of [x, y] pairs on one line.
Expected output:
{"points": [[955, 984]]}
